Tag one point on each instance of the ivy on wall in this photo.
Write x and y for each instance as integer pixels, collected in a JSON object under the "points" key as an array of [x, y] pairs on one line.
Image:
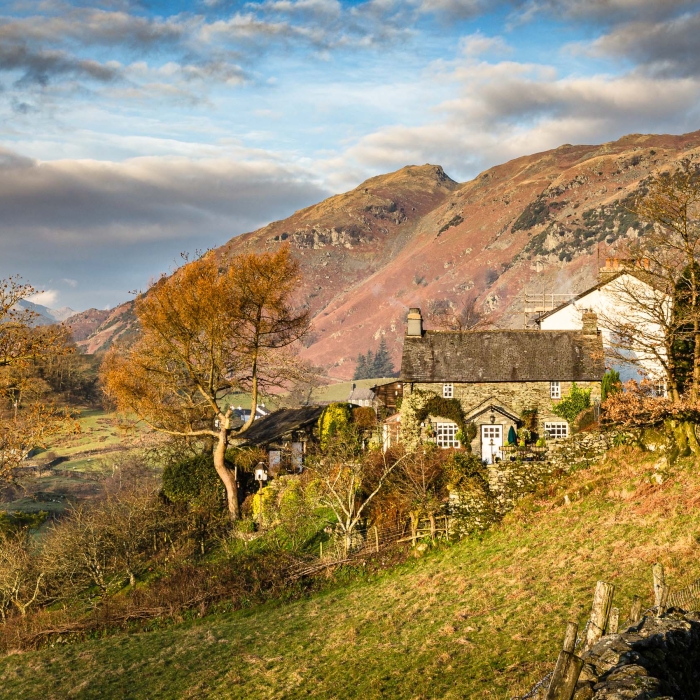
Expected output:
{"points": [[416, 408], [445, 408]]}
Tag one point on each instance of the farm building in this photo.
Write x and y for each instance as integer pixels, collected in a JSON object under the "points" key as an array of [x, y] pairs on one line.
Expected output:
{"points": [[499, 377]]}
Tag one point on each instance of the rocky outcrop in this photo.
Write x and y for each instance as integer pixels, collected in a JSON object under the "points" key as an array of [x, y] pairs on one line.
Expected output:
{"points": [[408, 238], [658, 658]]}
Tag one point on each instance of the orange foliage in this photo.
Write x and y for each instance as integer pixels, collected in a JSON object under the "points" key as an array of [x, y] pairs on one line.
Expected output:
{"points": [[205, 333]]}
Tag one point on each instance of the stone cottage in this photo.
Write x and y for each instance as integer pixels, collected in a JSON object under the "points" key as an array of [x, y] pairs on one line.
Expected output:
{"points": [[497, 375]]}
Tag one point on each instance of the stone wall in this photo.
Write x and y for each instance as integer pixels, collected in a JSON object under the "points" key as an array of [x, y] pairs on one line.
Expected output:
{"points": [[505, 483], [518, 396], [658, 658], [580, 449]]}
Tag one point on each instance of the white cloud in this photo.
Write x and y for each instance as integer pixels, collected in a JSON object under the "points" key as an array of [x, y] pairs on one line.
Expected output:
{"points": [[477, 44], [45, 298], [509, 109]]}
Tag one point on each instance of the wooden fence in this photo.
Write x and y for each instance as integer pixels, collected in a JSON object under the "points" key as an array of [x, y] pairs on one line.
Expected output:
{"points": [[560, 684], [366, 541]]}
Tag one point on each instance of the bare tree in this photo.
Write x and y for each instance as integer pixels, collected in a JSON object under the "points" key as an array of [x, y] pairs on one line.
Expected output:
{"points": [[642, 325], [447, 316], [351, 479], [670, 250], [20, 579], [420, 483]]}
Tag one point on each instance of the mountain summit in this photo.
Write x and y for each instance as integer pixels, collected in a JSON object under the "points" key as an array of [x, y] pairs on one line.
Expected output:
{"points": [[537, 223]]}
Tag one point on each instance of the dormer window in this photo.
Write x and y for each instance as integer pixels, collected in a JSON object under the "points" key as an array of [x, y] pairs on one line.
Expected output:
{"points": [[554, 390], [448, 391]]}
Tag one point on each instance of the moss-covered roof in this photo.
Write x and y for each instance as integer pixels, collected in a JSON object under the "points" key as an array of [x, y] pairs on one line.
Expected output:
{"points": [[502, 356]]}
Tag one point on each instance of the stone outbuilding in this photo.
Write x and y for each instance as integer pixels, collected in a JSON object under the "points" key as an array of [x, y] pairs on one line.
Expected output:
{"points": [[500, 377]]}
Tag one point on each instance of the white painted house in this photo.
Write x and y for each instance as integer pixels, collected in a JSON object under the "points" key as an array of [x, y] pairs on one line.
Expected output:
{"points": [[609, 300]]}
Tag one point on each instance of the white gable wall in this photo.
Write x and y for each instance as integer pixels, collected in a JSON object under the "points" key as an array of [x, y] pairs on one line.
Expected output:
{"points": [[606, 302]]}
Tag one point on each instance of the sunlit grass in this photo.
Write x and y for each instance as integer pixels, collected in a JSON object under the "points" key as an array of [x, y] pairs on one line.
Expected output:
{"points": [[480, 619]]}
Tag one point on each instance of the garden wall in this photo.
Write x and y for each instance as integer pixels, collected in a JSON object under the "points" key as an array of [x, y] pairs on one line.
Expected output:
{"points": [[507, 482], [658, 658]]}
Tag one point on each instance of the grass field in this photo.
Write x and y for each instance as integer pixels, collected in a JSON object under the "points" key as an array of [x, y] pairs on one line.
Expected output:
{"points": [[84, 457], [341, 391], [479, 619]]}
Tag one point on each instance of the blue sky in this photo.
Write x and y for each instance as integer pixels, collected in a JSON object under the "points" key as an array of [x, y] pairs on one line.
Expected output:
{"points": [[131, 131]]}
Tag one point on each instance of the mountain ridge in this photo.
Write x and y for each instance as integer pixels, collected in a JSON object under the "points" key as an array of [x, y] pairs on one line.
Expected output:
{"points": [[407, 238]]}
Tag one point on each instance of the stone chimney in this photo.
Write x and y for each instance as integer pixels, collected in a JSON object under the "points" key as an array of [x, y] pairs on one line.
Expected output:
{"points": [[415, 322], [614, 266], [590, 323]]}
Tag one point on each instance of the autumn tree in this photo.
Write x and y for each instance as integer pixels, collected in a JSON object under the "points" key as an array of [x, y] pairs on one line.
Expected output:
{"points": [[209, 330], [28, 418]]}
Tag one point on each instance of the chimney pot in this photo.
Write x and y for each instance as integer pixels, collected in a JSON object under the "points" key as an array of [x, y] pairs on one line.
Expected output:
{"points": [[590, 323], [415, 322]]}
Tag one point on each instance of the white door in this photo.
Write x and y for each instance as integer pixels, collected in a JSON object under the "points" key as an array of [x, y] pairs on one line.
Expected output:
{"points": [[491, 442]]}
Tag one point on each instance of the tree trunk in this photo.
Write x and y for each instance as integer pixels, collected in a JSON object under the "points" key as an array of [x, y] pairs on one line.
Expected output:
{"points": [[696, 362], [228, 479]]}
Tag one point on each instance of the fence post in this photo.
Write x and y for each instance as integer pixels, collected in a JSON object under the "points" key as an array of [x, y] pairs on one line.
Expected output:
{"points": [[567, 669], [635, 611], [565, 677], [614, 621], [659, 581], [663, 600], [570, 637], [600, 610], [376, 537]]}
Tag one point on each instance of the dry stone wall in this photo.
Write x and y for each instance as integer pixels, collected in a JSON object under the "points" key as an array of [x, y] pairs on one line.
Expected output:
{"points": [[658, 658], [506, 483]]}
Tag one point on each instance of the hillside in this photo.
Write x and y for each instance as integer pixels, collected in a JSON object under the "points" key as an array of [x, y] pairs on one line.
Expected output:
{"points": [[538, 223], [480, 619]]}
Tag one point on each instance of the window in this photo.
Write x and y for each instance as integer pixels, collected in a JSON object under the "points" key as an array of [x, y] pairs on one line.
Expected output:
{"points": [[554, 390], [556, 431], [659, 388], [448, 391], [445, 435]]}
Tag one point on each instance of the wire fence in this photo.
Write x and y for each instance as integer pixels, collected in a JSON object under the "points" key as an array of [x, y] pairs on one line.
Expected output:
{"points": [[687, 598]]}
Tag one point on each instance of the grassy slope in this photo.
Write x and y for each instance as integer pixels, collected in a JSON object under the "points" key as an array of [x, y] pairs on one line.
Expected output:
{"points": [[341, 390], [90, 452], [480, 619]]}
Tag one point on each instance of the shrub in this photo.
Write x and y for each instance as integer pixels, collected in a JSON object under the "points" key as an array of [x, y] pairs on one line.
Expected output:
{"points": [[529, 419], [336, 418], [573, 403], [611, 384], [193, 480]]}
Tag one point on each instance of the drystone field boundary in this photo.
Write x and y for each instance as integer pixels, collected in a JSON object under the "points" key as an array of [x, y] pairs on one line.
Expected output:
{"points": [[655, 653]]}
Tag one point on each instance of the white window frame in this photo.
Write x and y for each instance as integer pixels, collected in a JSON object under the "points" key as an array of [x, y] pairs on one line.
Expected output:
{"points": [[659, 388], [448, 391], [556, 430], [445, 435], [554, 390]]}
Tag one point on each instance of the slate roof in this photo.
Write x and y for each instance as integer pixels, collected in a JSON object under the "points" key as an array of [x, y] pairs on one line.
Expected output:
{"points": [[359, 394], [278, 423], [502, 356]]}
